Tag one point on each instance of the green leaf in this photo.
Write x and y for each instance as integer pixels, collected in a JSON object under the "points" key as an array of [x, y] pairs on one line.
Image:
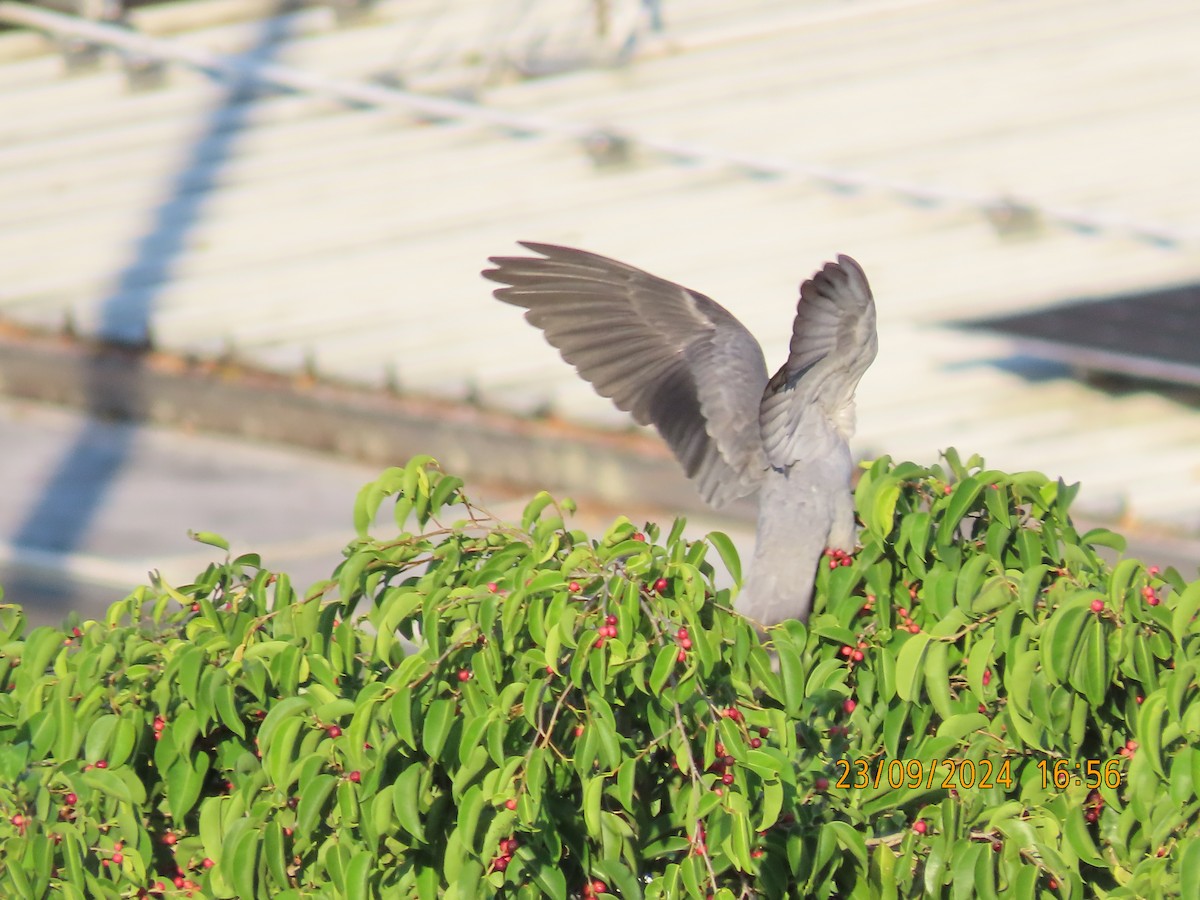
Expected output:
{"points": [[1063, 638], [1183, 619], [728, 553], [313, 796], [961, 500], [438, 720], [406, 799], [207, 537], [617, 875], [1150, 730], [664, 665], [185, 779], [1089, 671], [909, 666], [791, 673]]}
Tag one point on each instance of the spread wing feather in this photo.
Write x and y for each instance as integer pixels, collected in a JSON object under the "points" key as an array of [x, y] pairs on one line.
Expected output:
{"points": [[811, 398], [670, 356]]}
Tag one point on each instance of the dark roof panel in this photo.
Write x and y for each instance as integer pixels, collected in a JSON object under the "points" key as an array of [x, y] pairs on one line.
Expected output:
{"points": [[1151, 335]]}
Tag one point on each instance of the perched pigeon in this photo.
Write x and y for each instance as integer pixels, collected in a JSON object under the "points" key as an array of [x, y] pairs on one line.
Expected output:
{"points": [[679, 361]]}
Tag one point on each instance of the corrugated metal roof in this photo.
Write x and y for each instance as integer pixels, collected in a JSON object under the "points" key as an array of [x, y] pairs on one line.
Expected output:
{"points": [[295, 231]]}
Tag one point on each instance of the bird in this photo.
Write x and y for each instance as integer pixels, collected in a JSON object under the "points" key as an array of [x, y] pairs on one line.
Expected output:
{"points": [[676, 359]]}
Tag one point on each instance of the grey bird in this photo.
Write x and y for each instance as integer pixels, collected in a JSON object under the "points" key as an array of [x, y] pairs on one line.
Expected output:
{"points": [[679, 361]]}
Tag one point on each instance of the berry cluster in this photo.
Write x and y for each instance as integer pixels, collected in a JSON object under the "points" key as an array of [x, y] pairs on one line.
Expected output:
{"points": [[723, 765], [1150, 596], [1093, 807], [506, 850], [159, 724], [607, 630], [838, 557], [685, 643], [906, 621], [854, 654]]}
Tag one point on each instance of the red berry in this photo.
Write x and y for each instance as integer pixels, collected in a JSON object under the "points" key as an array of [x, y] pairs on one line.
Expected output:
{"points": [[500, 863], [638, 536], [599, 642], [660, 585], [578, 731], [764, 731], [355, 776], [857, 656], [334, 731], [510, 803], [492, 587], [610, 619], [727, 778], [599, 887], [987, 677], [102, 764], [756, 853], [1097, 605], [510, 846], [178, 881], [682, 656], [686, 643], [849, 705], [913, 628], [846, 651], [72, 798], [997, 846], [920, 827], [821, 783], [573, 587], [1052, 884], [18, 820], [208, 863], [169, 838], [464, 675], [755, 742], [118, 858], [682, 634], [1139, 698]]}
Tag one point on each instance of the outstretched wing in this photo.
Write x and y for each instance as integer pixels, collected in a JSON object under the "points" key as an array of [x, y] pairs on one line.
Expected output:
{"points": [[810, 400], [672, 357]]}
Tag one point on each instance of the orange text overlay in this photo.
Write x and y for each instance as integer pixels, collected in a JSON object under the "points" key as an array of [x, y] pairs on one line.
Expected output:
{"points": [[881, 772]]}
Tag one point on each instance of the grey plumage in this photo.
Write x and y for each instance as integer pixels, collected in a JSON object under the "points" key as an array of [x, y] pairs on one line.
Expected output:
{"points": [[679, 361]]}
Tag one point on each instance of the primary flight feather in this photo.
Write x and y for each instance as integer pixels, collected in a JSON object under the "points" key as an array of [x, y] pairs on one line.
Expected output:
{"points": [[677, 360]]}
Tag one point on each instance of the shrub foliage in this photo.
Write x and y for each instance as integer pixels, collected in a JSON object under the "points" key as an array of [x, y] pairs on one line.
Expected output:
{"points": [[979, 705]]}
